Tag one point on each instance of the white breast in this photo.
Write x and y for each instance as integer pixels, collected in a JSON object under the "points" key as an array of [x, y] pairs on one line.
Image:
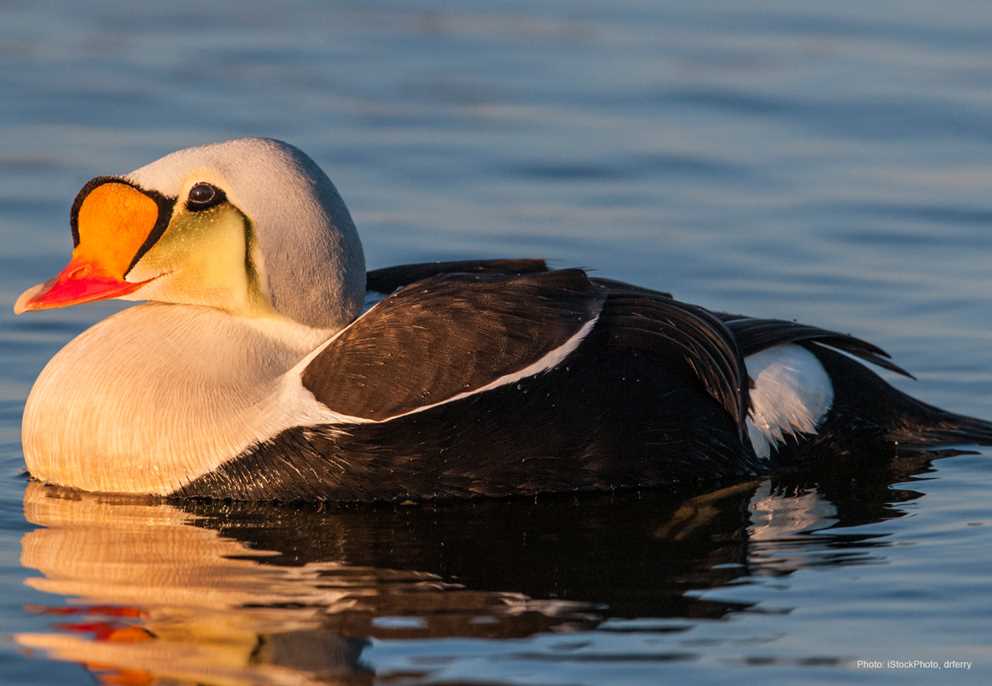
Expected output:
{"points": [[792, 394], [151, 398]]}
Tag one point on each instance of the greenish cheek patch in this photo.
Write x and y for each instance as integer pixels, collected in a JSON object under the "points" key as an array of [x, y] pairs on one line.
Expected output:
{"points": [[206, 260]]}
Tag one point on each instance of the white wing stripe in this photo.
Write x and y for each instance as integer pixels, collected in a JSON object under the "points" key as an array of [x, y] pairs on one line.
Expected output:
{"points": [[545, 364], [295, 387]]}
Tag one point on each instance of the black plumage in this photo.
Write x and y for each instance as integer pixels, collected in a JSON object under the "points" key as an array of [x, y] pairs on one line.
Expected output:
{"points": [[388, 279], [655, 394], [449, 334]]}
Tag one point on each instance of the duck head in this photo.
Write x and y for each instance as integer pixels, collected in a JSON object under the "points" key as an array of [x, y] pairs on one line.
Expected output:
{"points": [[251, 226]]}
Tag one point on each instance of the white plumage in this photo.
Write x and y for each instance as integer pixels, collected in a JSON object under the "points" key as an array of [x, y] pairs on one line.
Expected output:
{"points": [[792, 394]]}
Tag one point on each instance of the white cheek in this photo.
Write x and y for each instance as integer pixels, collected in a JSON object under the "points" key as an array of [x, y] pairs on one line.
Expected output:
{"points": [[792, 394]]}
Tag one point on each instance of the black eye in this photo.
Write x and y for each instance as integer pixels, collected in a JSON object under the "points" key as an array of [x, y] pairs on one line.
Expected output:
{"points": [[203, 196]]}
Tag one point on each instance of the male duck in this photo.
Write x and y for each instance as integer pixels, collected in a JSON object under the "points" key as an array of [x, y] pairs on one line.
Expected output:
{"points": [[253, 374]]}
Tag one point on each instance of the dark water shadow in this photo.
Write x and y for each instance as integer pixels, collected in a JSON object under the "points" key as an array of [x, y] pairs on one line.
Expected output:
{"points": [[256, 593]]}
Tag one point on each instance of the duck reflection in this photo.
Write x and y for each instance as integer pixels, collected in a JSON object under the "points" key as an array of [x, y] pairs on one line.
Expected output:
{"points": [[233, 593]]}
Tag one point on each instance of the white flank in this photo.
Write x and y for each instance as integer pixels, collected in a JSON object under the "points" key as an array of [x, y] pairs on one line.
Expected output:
{"points": [[792, 394]]}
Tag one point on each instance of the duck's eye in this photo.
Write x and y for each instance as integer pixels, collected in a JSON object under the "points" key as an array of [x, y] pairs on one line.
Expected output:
{"points": [[203, 196]]}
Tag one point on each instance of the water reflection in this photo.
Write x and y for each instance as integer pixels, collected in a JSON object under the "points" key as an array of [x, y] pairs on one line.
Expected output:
{"points": [[237, 593]]}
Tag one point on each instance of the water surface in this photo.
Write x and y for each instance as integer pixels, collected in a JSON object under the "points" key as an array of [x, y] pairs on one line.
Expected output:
{"points": [[828, 163]]}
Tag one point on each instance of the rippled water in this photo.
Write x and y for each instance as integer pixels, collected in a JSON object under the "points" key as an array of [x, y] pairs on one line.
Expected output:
{"points": [[828, 162]]}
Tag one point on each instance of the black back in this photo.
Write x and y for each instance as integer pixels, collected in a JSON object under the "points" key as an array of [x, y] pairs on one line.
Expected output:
{"points": [[446, 335], [388, 279], [654, 396]]}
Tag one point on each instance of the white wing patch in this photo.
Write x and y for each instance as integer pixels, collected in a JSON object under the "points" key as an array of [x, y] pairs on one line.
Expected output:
{"points": [[792, 394]]}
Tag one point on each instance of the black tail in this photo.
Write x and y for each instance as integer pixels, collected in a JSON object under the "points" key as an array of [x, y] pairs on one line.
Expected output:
{"points": [[934, 427], [867, 410]]}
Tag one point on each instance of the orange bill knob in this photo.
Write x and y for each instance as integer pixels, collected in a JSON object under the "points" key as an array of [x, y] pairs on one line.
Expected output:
{"points": [[113, 223]]}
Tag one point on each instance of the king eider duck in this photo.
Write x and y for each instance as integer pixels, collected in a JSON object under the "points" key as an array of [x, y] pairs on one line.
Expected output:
{"points": [[256, 369]]}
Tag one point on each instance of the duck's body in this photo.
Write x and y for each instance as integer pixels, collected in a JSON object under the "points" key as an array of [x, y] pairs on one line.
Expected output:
{"points": [[479, 378]]}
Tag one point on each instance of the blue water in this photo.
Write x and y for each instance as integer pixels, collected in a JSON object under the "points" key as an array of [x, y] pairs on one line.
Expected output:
{"points": [[829, 162]]}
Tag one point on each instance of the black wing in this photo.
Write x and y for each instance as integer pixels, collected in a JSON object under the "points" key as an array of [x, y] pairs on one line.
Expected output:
{"points": [[652, 322], [630, 289], [447, 335], [455, 333], [755, 335], [653, 395], [388, 279]]}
